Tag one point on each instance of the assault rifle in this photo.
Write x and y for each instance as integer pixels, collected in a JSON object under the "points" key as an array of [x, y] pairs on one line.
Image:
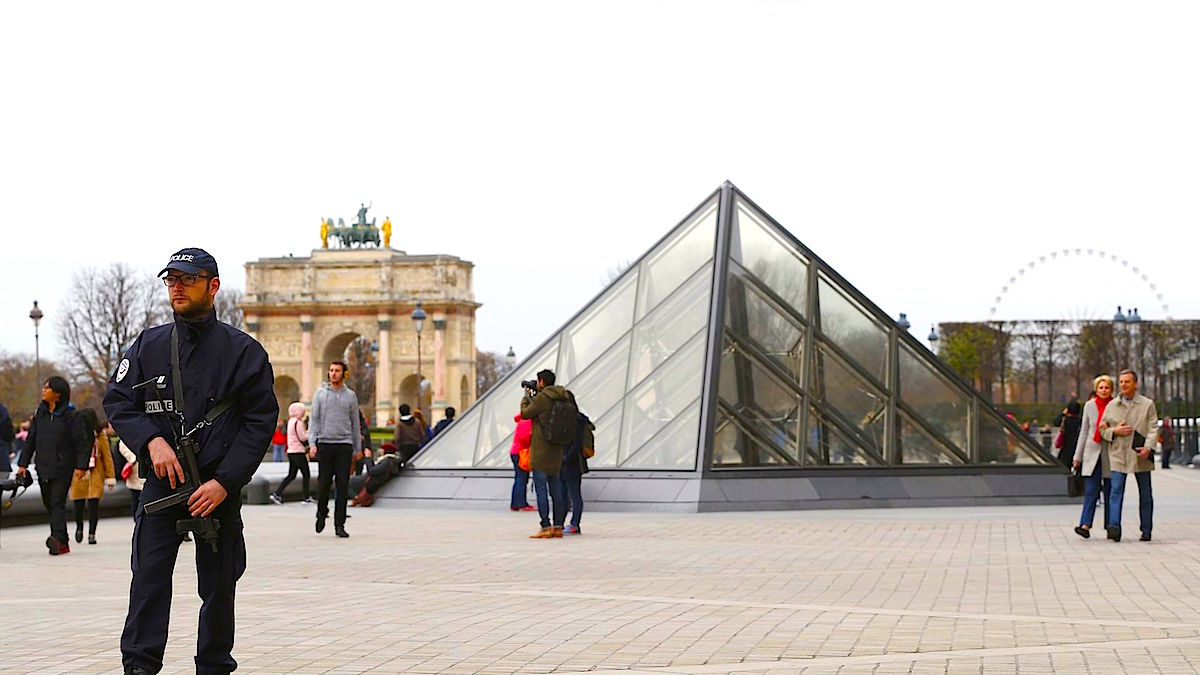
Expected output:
{"points": [[186, 450]]}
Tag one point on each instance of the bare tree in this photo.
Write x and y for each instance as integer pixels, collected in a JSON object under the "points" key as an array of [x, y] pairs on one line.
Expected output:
{"points": [[1052, 334], [20, 390], [228, 304], [490, 368], [614, 272], [361, 363], [104, 312]]}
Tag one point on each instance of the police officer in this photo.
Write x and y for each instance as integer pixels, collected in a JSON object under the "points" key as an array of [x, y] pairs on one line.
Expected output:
{"points": [[219, 366]]}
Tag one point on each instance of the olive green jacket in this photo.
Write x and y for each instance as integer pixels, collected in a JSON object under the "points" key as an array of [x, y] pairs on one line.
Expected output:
{"points": [[1140, 414], [545, 457]]}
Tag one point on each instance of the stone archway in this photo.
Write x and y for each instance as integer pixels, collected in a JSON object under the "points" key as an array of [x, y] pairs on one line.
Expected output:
{"points": [[409, 395], [307, 310], [287, 391], [359, 353]]}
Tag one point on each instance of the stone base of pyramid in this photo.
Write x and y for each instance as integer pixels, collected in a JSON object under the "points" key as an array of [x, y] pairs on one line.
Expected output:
{"points": [[690, 493]]}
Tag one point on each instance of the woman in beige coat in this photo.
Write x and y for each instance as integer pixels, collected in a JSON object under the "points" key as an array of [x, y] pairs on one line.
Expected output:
{"points": [[101, 475], [1091, 455]]}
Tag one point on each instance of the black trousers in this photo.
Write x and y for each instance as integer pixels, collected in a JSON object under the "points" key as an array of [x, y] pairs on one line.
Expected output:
{"points": [[333, 461], [54, 497], [93, 513], [155, 548], [297, 461]]}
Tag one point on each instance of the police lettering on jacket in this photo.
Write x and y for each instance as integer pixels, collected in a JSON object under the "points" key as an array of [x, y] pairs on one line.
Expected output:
{"points": [[216, 361]]}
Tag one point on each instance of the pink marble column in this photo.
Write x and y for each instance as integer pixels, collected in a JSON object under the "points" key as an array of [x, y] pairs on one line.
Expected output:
{"points": [[383, 372], [306, 359], [439, 363]]}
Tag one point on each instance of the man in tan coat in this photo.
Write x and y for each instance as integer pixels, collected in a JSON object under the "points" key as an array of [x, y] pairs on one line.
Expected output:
{"points": [[1130, 424]]}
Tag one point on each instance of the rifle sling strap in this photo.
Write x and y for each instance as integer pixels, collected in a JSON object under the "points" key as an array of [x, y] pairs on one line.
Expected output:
{"points": [[177, 384]]}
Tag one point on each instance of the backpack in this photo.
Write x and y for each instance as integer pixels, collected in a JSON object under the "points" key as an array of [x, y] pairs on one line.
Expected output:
{"points": [[558, 424]]}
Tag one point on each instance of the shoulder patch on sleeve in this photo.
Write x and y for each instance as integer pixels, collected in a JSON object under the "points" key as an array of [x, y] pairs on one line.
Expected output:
{"points": [[122, 369]]}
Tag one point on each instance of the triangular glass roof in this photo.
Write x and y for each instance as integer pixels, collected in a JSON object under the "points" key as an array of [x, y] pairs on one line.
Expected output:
{"points": [[729, 345]]}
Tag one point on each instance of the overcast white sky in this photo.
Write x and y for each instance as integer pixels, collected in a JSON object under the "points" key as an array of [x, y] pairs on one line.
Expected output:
{"points": [[927, 150]]}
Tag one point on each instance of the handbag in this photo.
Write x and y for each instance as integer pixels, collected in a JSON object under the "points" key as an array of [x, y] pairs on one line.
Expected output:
{"points": [[1058, 440], [1075, 482], [524, 462], [127, 470]]}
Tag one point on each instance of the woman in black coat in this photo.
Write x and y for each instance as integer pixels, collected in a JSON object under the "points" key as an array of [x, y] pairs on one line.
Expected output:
{"points": [[1070, 432]]}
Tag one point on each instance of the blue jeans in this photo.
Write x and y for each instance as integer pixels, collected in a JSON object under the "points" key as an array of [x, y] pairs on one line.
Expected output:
{"points": [[1145, 499], [277, 452], [520, 486], [543, 483], [572, 482], [1093, 485]]}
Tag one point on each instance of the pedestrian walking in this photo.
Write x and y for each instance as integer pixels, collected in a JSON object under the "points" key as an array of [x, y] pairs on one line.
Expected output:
{"points": [[297, 454], [1091, 456], [60, 445], [279, 442], [1130, 425], [133, 480], [101, 475], [334, 433]]}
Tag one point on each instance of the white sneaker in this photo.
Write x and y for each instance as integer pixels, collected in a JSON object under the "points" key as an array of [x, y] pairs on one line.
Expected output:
{"points": [[276, 499]]}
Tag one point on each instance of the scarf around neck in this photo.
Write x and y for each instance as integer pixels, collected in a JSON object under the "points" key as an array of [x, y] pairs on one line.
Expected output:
{"points": [[1101, 404]]}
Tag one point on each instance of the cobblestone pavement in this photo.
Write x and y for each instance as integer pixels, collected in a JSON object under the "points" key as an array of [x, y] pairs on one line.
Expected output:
{"points": [[964, 590]]}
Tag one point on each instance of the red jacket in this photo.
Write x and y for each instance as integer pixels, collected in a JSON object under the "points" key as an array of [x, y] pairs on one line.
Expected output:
{"points": [[523, 436]]}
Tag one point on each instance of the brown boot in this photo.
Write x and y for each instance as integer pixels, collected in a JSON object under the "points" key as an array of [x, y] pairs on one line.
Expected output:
{"points": [[544, 533], [556, 532]]}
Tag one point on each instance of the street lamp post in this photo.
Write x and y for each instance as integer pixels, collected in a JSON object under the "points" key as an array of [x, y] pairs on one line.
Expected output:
{"points": [[36, 315], [1193, 369], [418, 319]]}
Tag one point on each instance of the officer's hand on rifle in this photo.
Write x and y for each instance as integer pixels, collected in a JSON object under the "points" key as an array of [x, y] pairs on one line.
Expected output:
{"points": [[166, 464], [206, 499]]}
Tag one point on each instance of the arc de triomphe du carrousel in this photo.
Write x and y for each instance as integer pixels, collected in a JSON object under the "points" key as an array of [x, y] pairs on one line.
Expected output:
{"points": [[356, 296]]}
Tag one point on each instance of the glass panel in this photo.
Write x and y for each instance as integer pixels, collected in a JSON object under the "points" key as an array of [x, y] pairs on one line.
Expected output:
{"points": [[940, 404], [768, 256], [850, 327], [603, 384], [829, 446], [1000, 445], [453, 448], [675, 448], [918, 447], [498, 458], [662, 397], [676, 259], [598, 328], [504, 401], [762, 404], [858, 402], [659, 335], [734, 446], [752, 316], [607, 437]]}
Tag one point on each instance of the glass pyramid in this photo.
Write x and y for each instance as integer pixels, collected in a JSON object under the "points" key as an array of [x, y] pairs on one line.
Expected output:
{"points": [[729, 346]]}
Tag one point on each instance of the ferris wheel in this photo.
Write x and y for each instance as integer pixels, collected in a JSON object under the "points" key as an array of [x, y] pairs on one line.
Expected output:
{"points": [[1081, 253]]}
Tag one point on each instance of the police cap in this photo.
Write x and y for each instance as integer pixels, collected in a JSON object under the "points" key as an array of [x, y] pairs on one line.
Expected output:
{"points": [[192, 261]]}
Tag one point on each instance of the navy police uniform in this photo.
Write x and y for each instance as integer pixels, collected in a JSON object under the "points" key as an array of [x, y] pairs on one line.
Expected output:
{"points": [[216, 361]]}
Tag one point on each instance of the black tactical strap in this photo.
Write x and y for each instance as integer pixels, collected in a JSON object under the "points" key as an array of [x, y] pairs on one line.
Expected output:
{"points": [[177, 384], [176, 378]]}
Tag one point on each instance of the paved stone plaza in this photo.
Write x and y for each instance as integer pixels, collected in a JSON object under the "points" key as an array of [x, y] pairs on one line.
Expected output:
{"points": [[1004, 589]]}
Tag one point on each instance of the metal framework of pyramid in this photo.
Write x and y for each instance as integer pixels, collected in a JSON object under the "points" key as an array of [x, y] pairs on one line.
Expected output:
{"points": [[729, 350]]}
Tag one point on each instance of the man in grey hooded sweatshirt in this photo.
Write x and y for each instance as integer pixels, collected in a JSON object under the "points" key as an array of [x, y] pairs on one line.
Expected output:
{"points": [[333, 434]]}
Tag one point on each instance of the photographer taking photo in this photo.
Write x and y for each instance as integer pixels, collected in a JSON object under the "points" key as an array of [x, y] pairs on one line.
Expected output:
{"points": [[554, 413]]}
